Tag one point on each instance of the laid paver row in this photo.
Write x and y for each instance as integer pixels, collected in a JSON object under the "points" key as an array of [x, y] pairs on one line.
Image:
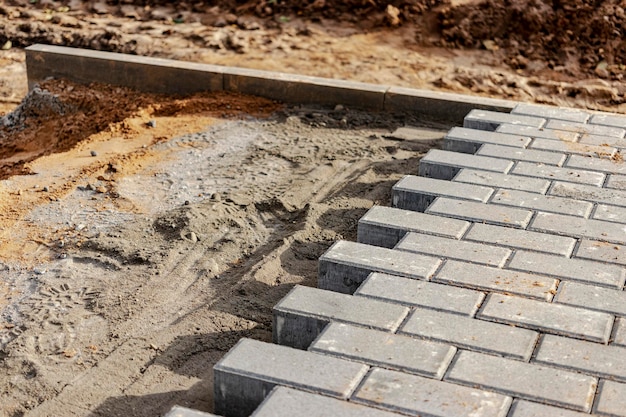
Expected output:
{"points": [[500, 296]]}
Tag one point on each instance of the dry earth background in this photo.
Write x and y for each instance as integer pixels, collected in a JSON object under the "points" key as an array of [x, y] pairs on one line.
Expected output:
{"points": [[141, 236]]}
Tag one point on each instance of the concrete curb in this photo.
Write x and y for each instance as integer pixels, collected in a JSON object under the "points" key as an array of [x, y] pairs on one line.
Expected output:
{"points": [[158, 75]]}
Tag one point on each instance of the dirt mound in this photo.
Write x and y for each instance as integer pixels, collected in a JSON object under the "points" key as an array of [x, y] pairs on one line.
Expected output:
{"points": [[567, 35]]}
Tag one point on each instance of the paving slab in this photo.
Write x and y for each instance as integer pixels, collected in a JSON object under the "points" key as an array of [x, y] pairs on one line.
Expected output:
{"points": [[479, 212], [586, 129], [610, 213], [415, 395], [523, 380], [611, 399], [304, 312], [619, 333], [387, 350], [470, 333], [540, 202], [601, 251], [445, 165], [613, 120], [549, 172], [386, 226], [586, 149], [592, 297], [251, 369], [598, 140], [545, 317], [345, 265], [616, 181], [552, 112], [589, 193], [414, 293], [463, 250], [515, 154], [490, 120], [606, 164], [460, 139], [486, 278], [538, 132], [581, 356], [417, 193], [288, 402], [521, 408], [497, 180], [580, 228]]}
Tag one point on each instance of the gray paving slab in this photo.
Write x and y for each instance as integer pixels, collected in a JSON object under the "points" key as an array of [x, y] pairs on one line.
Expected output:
{"points": [[386, 226], [589, 272], [486, 278], [251, 369], [523, 380], [611, 399], [605, 164], [581, 356], [516, 154], [618, 338], [304, 312], [590, 297], [541, 132], [601, 251], [577, 227], [552, 173], [178, 411], [345, 265], [534, 201], [445, 165], [619, 143], [509, 182], [521, 239], [551, 318], [417, 193], [589, 129], [521, 408], [610, 213], [586, 149], [490, 120], [609, 120], [479, 212], [552, 112], [470, 333], [418, 396], [589, 193], [288, 402], [416, 293], [616, 181], [479, 253], [387, 350], [460, 139]]}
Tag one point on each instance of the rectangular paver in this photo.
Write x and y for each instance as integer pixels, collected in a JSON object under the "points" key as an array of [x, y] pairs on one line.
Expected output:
{"points": [[288, 402], [460, 139], [521, 408], [610, 213], [510, 182], [490, 120], [577, 227], [417, 193], [471, 333], [302, 314], [529, 155], [521, 239], [251, 369], [589, 193], [530, 169], [385, 226], [618, 338], [611, 399], [418, 396], [582, 356], [582, 270], [616, 181], [619, 143], [605, 164], [592, 297], [479, 212], [392, 351], [613, 120], [588, 129], [454, 249], [535, 132], [495, 279], [445, 164], [573, 148], [534, 201], [345, 265], [551, 112], [601, 251], [523, 380], [416, 293], [548, 317]]}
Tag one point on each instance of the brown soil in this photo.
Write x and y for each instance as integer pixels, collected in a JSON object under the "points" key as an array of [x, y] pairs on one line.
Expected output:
{"points": [[142, 235]]}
